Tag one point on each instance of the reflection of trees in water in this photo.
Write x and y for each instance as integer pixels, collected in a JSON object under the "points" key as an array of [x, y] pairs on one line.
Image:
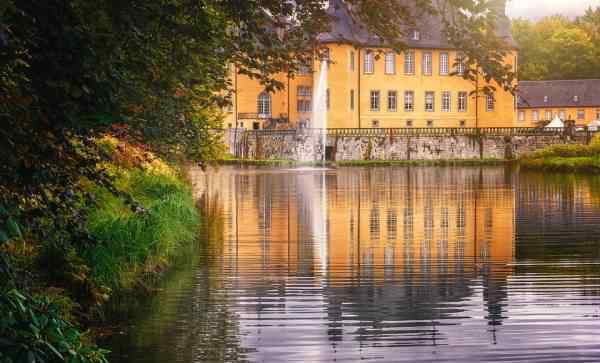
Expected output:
{"points": [[556, 216]]}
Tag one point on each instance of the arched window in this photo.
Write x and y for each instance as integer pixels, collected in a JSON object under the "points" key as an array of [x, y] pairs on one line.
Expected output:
{"points": [[264, 104]]}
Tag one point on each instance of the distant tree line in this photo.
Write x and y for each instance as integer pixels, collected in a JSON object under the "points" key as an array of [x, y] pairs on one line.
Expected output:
{"points": [[557, 47]]}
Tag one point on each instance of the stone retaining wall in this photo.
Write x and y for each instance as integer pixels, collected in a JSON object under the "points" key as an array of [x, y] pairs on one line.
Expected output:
{"points": [[307, 146]]}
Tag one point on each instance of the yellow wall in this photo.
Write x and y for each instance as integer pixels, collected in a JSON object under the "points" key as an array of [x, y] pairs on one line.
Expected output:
{"points": [[342, 79], [591, 114]]}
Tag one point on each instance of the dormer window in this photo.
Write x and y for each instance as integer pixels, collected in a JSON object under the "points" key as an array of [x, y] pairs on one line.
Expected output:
{"points": [[545, 99], [416, 35], [575, 98]]}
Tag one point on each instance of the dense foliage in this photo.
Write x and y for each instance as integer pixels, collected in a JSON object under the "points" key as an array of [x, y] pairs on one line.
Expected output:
{"points": [[557, 47], [32, 329]]}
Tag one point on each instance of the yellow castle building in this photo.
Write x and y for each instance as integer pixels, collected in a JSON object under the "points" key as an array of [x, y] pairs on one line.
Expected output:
{"points": [[371, 86]]}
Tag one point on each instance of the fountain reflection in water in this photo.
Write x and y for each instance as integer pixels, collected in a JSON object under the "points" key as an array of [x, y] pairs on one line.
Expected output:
{"points": [[312, 192]]}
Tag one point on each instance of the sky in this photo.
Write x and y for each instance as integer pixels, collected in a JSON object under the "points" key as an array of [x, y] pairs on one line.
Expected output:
{"points": [[534, 9]]}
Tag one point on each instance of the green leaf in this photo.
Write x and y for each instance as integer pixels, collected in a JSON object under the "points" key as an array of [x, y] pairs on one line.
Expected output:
{"points": [[13, 229], [54, 350]]}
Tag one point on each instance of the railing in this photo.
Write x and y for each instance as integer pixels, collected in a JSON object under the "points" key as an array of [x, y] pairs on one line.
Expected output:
{"points": [[259, 116], [426, 131], [253, 116]]}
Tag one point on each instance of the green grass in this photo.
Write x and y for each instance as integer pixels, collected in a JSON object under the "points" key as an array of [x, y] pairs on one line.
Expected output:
{"points": [[566, 158], [585, 164], [133, 243]]}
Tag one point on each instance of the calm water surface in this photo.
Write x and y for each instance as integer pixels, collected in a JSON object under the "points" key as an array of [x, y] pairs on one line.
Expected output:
{"points": [[384, 264]]}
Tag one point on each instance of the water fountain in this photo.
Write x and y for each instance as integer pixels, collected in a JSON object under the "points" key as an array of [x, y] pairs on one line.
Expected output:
{"points": [[319, 110]]}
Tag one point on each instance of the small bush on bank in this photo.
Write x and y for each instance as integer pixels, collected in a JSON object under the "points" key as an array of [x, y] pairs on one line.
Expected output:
{"points": [[566, 158], [32, 329], [569, 151]]}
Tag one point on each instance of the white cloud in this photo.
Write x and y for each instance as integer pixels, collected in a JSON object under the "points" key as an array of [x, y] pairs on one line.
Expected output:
{"points": [[535, 9]]}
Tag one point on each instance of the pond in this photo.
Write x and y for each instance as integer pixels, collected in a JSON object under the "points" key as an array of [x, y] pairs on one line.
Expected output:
{"points": [[384, 264]]}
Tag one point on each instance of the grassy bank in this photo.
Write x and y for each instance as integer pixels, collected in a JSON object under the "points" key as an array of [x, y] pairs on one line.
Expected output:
{"points": [[566, 158], [138, 239], [134, 234]]}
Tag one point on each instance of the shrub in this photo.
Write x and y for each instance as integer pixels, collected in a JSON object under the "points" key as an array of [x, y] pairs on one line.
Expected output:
{"points": [[32, 329]]}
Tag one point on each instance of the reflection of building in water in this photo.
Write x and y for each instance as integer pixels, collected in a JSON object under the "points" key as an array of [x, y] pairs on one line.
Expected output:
{"points": [[556, 215], [401, 239]]}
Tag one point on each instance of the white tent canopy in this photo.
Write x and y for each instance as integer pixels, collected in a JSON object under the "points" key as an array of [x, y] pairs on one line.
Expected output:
{"points": [[594, 125], [556, 123]]}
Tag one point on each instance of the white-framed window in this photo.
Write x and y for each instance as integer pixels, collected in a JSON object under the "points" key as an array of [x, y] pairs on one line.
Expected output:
{"points": [[546, 99], [264, 104], [489, 103], [548, 115], [429, 123], [304, 99], [416, 35], [392, 101], [444, 64], [352, 61], [429, 101], [375, 100], [390, 63], [521, 116], [351, 99], [409, 101], [409, 123], [409, 62], [462, 101], [446, 101], [575, 98], [460, 64], [535, 115], [562, 115], [427, 63], [581, 114], [369, 62]]}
